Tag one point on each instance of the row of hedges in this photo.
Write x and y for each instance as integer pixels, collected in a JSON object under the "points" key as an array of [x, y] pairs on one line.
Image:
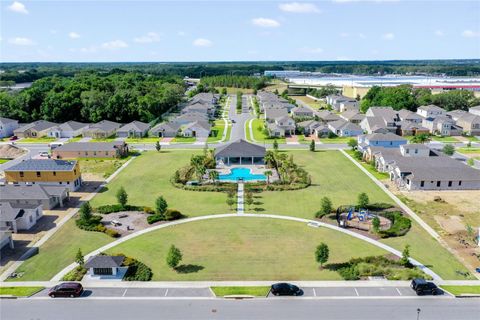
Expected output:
{"points": [[359, 268], [400, 224], [137, 270], [75, 275], [94, 224], [110, 208], [169, 215], [218, 187]]}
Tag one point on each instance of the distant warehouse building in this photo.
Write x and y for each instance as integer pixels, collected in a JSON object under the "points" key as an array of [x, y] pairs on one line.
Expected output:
{"points": [[115, 149]]}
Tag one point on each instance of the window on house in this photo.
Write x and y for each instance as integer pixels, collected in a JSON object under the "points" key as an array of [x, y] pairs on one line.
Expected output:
{"points": [[422, 184], [407, 150], [68, 182], [416, 150], [449, 183], [459, 183], [31, 219], [22, 174], [439, 183], [54, 173], [74, 171], [39, 174]]}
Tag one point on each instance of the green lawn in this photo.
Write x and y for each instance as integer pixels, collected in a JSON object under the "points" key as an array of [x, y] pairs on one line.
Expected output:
{"points": [[333, 175], [217, 131], [75, 139], [244, 249], [59, 251], [4, 160], [258, 135], [142, 140], [251, 291], [36, 140], [184, 140], [468, 150], [312, 103], [336, 140], [459, 290], [20, 291], [148, 177], [101, 167], [445, 139], [472, 138], [372, 170]]}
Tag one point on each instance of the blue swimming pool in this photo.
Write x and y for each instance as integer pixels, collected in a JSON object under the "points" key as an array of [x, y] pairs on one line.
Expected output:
{"points": [[241, 173]]}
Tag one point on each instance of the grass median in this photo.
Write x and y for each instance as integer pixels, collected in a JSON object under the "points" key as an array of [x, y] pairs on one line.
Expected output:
{"points": [[233, 291], [20, 291]]}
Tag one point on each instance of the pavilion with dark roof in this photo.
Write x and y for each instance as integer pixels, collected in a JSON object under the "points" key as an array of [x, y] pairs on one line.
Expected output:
{"points": [[240, 152]]}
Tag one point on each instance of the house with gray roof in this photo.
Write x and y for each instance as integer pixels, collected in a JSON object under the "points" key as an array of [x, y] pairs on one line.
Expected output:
{"points": [[410, 116], [134, 129], [272, 113], [308, 127], [385, 140], [415, 167], [352, 116], [47, 196], [198, 128], [198, 107], [6, 238], [302, 112], [327, 116], [240, 152], [475, 110], [102, 130], [470, 124], [343, 128], [189, 117], [73, 150], [69, 129], [7, 126], [14, 216], [341, 103], [35, 129], [431, 111], [166, 130], [104, 267], [442, 125], [380, 119]]}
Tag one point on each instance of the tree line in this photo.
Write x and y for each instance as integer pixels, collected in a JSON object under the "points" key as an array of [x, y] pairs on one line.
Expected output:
{"points": [[407, 97], [235, 81], [91, 97]]}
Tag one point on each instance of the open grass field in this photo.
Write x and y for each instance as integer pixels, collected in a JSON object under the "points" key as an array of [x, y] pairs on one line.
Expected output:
{"points": [[445, 139], [371, 169], [244, 249], [148, 177], [100, 168], [251, 291], [217, 131], [109, 139], [312, 103], [59, 251], [467, 150], [184, 140], [333, 175], [336, 140], [75, 139], [258, 135], [20, 291], [4, 161], [142, 140]]}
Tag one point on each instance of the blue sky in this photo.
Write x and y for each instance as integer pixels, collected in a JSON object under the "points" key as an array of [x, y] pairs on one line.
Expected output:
{"points": [[233, 30]]}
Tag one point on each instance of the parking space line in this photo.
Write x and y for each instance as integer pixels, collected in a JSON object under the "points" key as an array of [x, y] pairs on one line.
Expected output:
{"points": [[399, 292], [166, 292], [314, 292], [356, 291], [124, 293]]}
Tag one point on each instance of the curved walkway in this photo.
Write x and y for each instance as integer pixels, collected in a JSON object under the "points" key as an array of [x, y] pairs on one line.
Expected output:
{"points": [[383, 246]]}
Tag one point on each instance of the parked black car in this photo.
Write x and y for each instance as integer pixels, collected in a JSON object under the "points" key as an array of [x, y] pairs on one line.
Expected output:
{"points": [[285, 289], [66, 289], [422, 287]]}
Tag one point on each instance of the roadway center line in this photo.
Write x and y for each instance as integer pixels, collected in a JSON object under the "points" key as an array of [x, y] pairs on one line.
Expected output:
{"points": [[314, 292], [399, 292], [166, 292], [356, 291], [124, 292]]}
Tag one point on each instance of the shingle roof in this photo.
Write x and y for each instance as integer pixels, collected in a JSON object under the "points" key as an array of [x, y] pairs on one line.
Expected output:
{"points": [[431, 107], [7, 120], [72, 126], [240, 148], [39, 125], [135, 126], [166, 126], [7, 212], [105, 125], [102, 261], [23, 192], [44, 165], [90, 146], [384, 137]]}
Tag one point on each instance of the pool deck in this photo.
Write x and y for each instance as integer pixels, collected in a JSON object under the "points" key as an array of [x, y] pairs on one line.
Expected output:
{"points": [[254, 169]]}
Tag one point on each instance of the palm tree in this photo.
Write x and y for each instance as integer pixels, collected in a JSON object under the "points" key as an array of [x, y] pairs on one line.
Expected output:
{"points": [[213, 175], [270, 159], [268, 174]]}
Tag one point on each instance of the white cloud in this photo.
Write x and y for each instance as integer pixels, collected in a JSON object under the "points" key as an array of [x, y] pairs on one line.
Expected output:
{"points": [[181, 33], [265, 23], [376, 1], [470, 34], [344, 34], [18, 7], [362, 36], [388, 36], [148, 38], [115, 44], [311, 50], [202, 42], [20, 41], [439, 33], [73, 35], [91, 49], [297, 7]]}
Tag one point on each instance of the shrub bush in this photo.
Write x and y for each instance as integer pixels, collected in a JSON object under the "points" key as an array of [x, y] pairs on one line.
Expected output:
{"points": [[109, 208], [137, 271], [112, 233], [349, 273], [154, 218], [379, 206], [90, 225], [172, 214], [400, 224], [148, 210], [75, 275]]}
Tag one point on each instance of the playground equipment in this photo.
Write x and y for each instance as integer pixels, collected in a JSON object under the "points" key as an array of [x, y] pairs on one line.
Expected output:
{"points": [[348, 217]]}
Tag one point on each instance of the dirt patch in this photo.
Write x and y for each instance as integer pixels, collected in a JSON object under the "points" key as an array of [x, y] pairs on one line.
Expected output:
{"points": [[452, 224], [8, 151], [126, 222]]}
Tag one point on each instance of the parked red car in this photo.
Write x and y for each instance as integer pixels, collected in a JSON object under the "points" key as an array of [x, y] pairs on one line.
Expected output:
{"points": [[13, 138], [67, 289]]}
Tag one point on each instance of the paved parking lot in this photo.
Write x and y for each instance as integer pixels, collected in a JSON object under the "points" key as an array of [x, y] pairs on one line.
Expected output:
{"points": [[357, 292], [140, 292]]}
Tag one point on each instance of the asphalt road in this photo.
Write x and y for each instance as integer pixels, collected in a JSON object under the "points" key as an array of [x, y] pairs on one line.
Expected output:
{"points": [[290, 308]]}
